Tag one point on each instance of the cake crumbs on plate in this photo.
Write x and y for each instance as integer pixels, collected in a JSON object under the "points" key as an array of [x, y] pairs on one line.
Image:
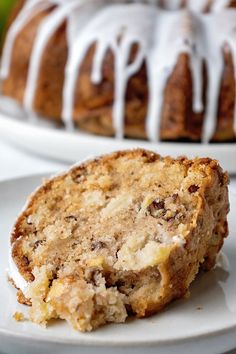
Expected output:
{"points": [[199, 308], [19, 316]]}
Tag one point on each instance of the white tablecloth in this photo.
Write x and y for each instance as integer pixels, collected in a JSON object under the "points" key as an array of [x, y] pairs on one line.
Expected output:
{"points": [[16, 163]]}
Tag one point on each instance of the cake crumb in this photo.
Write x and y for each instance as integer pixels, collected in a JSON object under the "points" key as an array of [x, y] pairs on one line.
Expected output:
{"points": [[199, 308], [187, 295], [19, 316]]}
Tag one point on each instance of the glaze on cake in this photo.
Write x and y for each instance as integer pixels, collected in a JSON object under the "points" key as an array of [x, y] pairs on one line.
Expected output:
{"points": [[132, 68]]}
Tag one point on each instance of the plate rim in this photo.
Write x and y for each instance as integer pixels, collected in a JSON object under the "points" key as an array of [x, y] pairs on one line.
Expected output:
{"points": [[17, 132], [85, 342], [45, 124]]}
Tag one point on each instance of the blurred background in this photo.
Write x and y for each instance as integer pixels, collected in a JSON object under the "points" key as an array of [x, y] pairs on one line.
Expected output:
{"points": [[5, 10]]}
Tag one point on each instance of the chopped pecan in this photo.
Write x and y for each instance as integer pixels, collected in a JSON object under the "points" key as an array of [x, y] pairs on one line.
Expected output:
{"points": [[97, 245], [156, 208], [70, 218], [175, 197], [37, 243], [193, 188]]}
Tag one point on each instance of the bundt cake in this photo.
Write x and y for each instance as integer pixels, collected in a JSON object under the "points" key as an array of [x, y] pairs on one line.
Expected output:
{"points": [[162, 70], [122, 234]]}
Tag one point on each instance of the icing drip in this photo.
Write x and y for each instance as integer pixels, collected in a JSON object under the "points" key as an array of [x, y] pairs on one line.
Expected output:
{"points": [[28, 12], [218, 5], [213, 40], [104, 31], [46, 30], [170, 28], [160, 37], [197, 68], [124, 72], [76, 24]]}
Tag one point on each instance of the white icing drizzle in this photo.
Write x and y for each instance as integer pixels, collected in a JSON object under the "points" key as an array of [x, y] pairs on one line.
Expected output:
{"points": [[106, 38], [197, 67], [45, 32], [31, 8], [161, 37], [172, 28], [213, 41], [218, 5], [76, 24]]}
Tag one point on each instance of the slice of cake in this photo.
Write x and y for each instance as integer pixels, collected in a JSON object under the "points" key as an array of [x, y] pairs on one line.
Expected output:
{"points": [[122, 234]]}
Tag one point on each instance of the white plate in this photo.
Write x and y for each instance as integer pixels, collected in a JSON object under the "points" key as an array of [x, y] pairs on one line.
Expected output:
{"points": [[205, 323], [44, 138]]}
